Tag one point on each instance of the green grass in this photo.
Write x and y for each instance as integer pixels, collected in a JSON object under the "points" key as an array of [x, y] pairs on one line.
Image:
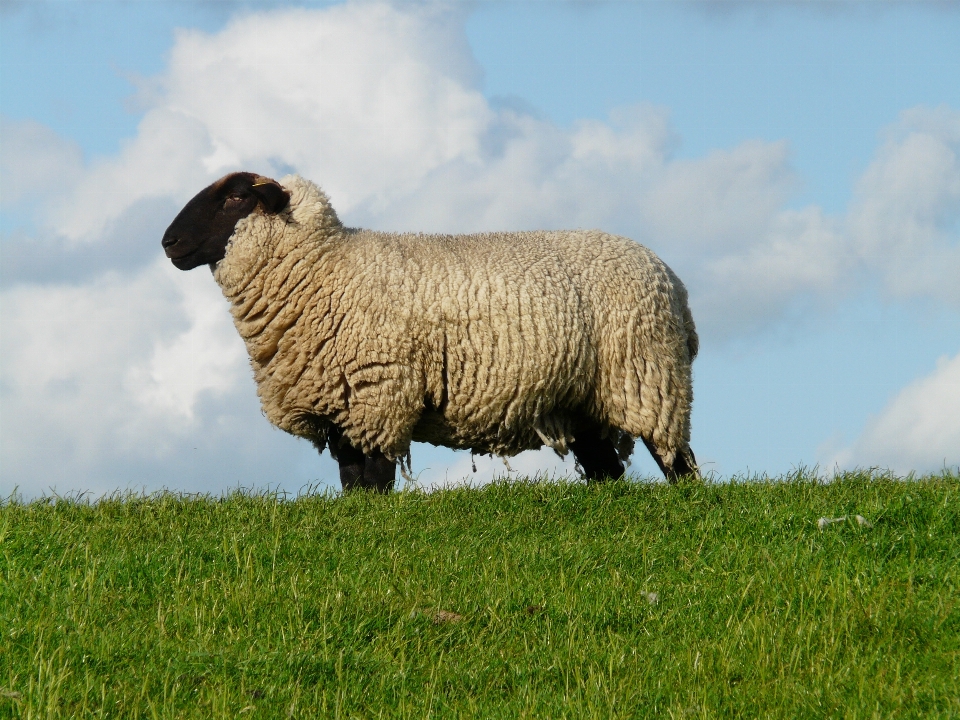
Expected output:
{"points": [[255, 606]]}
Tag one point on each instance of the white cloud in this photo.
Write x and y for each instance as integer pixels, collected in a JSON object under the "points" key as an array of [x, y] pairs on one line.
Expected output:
{"points": [[134, 380], [723, 202], [36, 164], [77, 378], [802, 257], [164, 160], [365, 97], [905, 221], [207, 356], [918, 430]]}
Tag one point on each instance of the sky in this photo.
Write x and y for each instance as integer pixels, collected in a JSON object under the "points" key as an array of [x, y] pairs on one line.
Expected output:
{"points": [[797, 164]]}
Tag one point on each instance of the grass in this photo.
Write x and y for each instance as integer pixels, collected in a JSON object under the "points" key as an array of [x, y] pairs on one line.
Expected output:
{"points": [[558, 600]]}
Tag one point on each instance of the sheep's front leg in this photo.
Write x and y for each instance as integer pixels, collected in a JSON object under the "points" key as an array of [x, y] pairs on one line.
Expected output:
{"points": [[352, 464], [379, 473], [365, 472], [359, 471]]}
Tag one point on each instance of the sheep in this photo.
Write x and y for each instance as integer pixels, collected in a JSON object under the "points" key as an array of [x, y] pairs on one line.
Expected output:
{"points": [[364, 341]]}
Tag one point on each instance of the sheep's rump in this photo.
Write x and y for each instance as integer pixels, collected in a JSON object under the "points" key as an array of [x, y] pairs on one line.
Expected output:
{"points": [[496, 342]]}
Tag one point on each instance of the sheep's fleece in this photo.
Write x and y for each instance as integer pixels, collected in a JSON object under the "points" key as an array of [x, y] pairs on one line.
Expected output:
{"points": [[497, 342]]}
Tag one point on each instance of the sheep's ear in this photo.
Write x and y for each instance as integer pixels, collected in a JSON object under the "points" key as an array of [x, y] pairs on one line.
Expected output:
{"points": [[271, 194]]}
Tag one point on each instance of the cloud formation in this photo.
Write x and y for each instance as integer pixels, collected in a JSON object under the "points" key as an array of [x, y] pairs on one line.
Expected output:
{"points": [[905, 221], [112, 360], [918, 430], [32, 156]]}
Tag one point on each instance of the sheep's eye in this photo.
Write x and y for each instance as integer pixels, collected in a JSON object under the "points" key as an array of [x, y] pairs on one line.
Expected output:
{"points": [[232, 200]]}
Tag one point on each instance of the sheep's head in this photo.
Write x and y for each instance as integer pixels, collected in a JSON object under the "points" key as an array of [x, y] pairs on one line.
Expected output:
{"points": [[199, 234]]}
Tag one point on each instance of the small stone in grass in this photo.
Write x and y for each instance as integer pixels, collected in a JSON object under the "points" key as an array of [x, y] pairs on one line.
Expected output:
{"points": [[651, 597], [861, 521], [824, 521], [534, 609]]}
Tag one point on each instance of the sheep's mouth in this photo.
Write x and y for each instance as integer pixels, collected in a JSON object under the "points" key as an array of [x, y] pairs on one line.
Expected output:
{"points": [[185, 261]]}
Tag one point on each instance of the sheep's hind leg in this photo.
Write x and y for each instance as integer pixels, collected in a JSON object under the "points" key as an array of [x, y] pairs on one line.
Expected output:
{"points": [[684, 463], [596, 455]]}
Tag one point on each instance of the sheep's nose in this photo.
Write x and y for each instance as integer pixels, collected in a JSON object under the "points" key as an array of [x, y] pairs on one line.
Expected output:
{"points": [[169, 241]]}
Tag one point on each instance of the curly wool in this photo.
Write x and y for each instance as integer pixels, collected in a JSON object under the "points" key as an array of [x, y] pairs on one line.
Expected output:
{"points": [[497, 342]]}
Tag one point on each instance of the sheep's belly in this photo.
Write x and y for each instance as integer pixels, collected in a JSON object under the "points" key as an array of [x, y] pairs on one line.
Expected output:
{"points": [[434, 428]]}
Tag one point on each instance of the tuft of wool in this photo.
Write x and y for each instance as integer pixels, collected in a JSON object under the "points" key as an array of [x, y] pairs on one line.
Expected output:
{"points": [[495, 342]]}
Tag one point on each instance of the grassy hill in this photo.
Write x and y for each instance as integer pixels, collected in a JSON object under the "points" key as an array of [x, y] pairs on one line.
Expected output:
{"points": [[515, 600]]}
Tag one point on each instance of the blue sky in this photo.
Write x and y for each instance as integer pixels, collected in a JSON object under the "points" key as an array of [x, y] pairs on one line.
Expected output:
{"points": [[798, 164]]}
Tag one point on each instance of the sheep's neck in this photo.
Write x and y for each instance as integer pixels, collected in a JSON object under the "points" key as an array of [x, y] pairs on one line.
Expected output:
{"points": [[272, 295]]}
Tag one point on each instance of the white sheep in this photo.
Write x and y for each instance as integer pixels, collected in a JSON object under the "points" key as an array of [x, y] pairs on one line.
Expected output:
{"points": [[364, 341]]}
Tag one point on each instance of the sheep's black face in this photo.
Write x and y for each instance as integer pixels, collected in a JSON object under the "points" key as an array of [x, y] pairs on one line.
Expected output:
{"points": [[199, 234]]}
